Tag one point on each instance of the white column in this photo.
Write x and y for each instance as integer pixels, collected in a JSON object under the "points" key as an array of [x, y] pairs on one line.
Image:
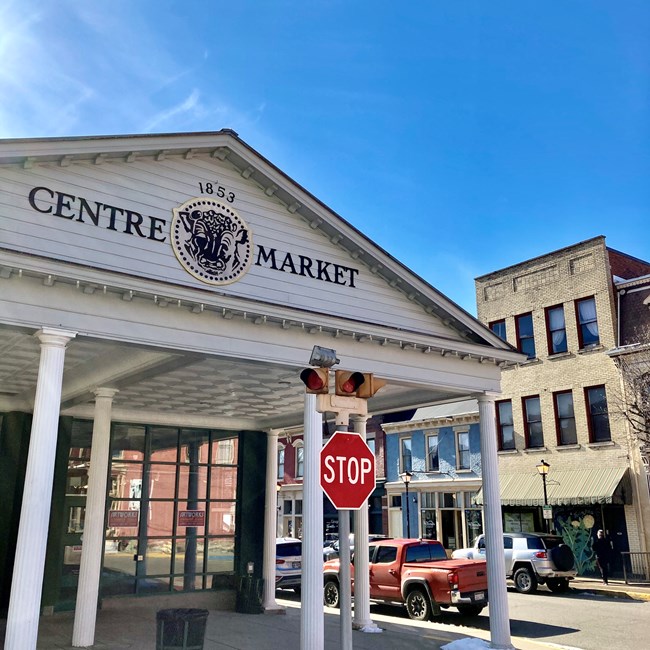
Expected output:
{"points": [[312, 618], [362, 620], [269, 604], [27, 581], [496, 568], [85, 613]]}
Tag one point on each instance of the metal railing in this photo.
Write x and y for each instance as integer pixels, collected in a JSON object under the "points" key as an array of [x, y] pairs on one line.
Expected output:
{"points": [[636, 567]]}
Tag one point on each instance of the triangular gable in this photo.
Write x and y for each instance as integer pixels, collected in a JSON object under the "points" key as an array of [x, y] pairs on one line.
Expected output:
{"points": [[109, 203]]}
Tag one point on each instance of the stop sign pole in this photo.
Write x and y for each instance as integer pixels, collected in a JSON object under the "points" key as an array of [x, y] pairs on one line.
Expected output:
{"points": [[347, 477]]}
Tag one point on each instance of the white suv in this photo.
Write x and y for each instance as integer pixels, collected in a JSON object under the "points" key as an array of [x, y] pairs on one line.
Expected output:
{"points": [[531, 559], [288, 563]]}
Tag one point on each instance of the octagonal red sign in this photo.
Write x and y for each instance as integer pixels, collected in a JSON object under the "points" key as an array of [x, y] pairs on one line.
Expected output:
{"points": [[347, 470]]}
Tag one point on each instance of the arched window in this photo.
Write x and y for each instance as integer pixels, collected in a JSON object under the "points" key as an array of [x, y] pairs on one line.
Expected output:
{"points": [[280, 462], [300, 458]]}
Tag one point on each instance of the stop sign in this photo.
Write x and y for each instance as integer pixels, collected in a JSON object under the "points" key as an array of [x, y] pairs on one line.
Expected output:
{"points": [[347, 470]]}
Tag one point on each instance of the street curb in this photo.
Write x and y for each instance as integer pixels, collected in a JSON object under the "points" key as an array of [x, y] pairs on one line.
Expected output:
{"points": [[613, 593]]}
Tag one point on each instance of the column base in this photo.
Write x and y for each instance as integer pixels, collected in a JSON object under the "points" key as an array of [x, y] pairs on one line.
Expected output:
{"points": [[368, 628], [274, 610]]}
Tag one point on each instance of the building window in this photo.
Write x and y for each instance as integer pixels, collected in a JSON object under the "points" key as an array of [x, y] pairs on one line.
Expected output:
{"points": [[281, 463], [405, 455], [533, 422], [525, 335], [587, 322], [300, 459], [462, 448], [565, 418], [433, 462], [505, 426], [371, 444], [499, 328], [556, 329], [597, 414]]}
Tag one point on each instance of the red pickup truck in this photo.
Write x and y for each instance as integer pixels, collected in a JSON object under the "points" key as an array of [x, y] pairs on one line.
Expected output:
{"points": [[418, 574]]}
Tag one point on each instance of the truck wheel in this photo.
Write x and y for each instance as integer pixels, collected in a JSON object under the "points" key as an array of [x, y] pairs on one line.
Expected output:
{"points": [[525, 581], [470, 610], [418, 605], [558, 585], [332, 594]]}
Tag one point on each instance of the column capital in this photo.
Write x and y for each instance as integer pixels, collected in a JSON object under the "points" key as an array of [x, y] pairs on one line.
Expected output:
{"points": [[105, 392], [487, 397], [358, 417], [273, 433], [55, 337]]}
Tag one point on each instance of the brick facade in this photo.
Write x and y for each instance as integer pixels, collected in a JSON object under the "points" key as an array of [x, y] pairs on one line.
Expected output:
{"points": [[562, 278]]}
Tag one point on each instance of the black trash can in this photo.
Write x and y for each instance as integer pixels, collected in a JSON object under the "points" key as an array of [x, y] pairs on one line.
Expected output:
{"points": [[180, 629]]}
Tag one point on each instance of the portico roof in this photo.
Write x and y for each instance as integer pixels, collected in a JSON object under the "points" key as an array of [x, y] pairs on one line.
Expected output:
{"points": [[179, 350]]}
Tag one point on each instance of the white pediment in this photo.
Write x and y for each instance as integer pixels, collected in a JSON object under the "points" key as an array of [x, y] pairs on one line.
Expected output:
{"points": [[108, 204]]}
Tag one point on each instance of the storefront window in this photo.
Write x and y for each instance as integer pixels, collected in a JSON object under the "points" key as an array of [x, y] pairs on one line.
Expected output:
{"points": [[172, 494]]}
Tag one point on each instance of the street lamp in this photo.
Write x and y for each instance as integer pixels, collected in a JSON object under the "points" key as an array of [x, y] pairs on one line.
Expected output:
{"points": [[543, 468], [406, 477]]}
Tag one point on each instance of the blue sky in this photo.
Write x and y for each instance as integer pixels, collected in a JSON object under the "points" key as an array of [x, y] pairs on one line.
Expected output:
{"points": [[462, 136]]}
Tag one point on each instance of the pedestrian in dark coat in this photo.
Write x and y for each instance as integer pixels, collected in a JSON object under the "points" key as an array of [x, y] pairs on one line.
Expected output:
{"points": [[603, 550]]}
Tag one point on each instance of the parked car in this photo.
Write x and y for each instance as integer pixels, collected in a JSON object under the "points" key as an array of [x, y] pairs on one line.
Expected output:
{"points": [[418, 575], [531, 559], [331, 550], [288, 563]]}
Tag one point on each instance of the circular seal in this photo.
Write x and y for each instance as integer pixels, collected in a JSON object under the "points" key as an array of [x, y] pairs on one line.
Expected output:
{"points": [[211, 241]]}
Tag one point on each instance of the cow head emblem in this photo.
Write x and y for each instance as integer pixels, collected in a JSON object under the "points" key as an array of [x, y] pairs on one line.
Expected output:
{"points": [[211, 241]]}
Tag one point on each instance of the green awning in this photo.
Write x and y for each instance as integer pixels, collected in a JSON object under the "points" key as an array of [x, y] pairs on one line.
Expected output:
{"points": [[565, 487]]}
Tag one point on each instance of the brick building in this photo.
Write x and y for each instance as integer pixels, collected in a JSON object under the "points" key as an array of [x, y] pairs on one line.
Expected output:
{"points": [[561, 310]]}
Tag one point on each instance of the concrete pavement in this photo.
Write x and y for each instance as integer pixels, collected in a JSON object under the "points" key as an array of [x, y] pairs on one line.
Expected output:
{"points": [[132, 626]]}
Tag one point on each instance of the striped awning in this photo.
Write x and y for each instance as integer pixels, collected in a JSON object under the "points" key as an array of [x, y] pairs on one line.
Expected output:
{"points": [[565, 487]]}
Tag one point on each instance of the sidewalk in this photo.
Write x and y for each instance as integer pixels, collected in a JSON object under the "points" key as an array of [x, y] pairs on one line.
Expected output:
{"points": [[615, 588], [133, 627]]}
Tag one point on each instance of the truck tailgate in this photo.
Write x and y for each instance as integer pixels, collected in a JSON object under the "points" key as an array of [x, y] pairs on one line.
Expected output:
{"points": [[472, 574]]}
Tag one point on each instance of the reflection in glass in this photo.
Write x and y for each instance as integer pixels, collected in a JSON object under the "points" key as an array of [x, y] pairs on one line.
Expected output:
{"points": [[162, 481], [195, 446], [224, 452], [77, 477], [127, 442], [223, 483], [193, 482], [221, 555], [126, 480], [118, 557], [189, 583], [158, 556], [160, 521], [164, 444], [222, 518], [76, 517]]}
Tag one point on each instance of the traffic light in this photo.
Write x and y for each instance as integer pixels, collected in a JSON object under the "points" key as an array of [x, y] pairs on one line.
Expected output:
{"points": [[357, 384], [316, 380]]}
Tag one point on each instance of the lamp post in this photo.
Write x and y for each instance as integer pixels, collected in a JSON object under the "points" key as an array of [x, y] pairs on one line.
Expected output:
{"points": [[406, 477], [543, 468]]}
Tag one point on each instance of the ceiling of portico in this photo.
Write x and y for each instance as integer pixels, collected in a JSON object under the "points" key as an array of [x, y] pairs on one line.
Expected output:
{"points": [[172, 387]]}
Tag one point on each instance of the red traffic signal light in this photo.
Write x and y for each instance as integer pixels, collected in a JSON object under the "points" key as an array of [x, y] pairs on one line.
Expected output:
{"points": [[316, 380], [348, 383], [357, 384]]}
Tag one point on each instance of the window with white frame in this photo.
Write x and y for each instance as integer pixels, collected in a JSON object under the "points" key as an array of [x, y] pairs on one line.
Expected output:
{"points": [[300, 459], [406, 457], [433, 461], [462, 450], [280, 462]]}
